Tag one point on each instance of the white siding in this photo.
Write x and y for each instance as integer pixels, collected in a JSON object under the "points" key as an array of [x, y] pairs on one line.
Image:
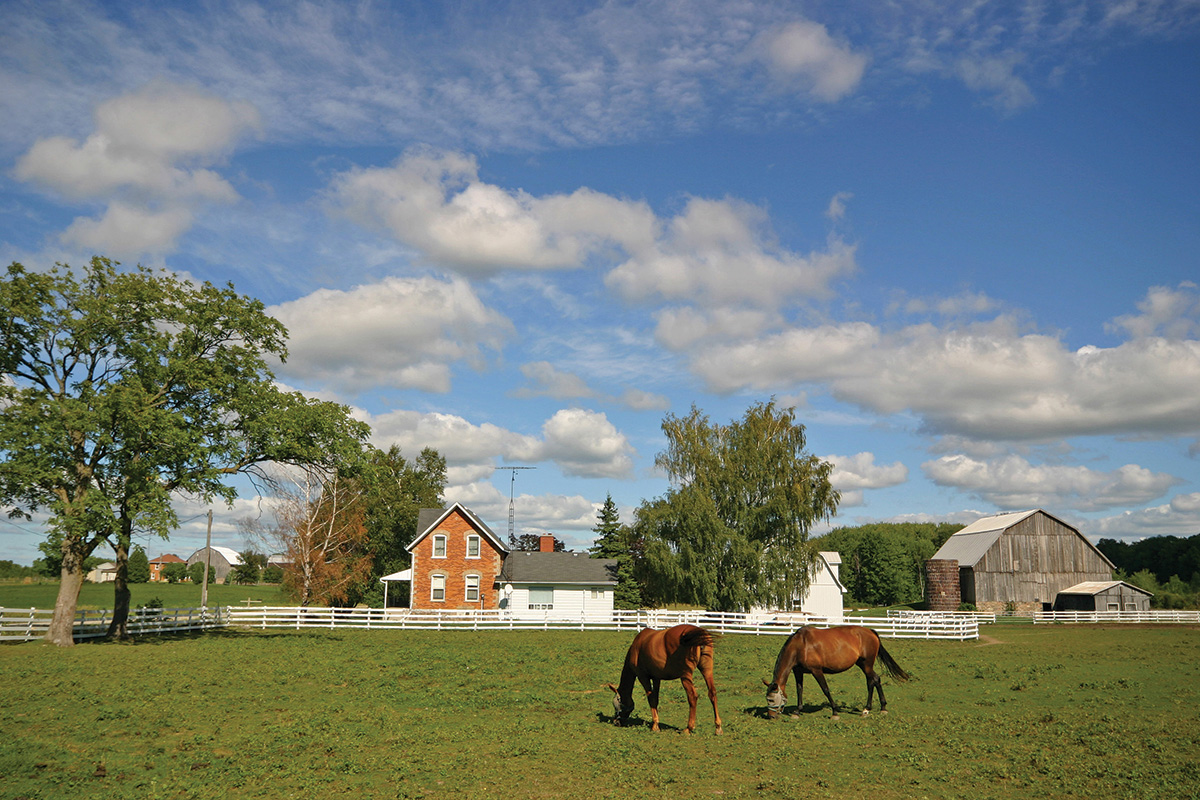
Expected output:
{"points": [[570, 602]]}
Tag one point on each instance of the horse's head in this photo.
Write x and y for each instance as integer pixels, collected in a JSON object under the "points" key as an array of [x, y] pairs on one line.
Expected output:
{"points": [[775, 699], [621, 709]]}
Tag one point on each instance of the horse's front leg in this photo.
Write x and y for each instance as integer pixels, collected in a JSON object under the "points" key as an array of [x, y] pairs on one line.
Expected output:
{"points": [[652, 699], [872, 682], [820, 676], [799, 674], [690, 689]]}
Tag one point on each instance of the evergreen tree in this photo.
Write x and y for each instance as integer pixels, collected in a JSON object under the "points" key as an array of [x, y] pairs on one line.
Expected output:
{"points": [[139, 566], [613, 540]]}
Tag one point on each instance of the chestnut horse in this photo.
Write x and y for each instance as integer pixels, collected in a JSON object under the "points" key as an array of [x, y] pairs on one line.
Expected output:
{"points": [[822, 651], [655, 656]]}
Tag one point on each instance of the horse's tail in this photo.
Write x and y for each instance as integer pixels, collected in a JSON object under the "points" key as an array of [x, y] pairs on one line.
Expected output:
{"points": [[698, 637], [889, 664]]}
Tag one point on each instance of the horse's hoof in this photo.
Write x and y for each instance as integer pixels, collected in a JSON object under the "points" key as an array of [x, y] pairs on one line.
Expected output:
{"points": [[883, 712], [795, 715], [866, 713], [719, 731]]}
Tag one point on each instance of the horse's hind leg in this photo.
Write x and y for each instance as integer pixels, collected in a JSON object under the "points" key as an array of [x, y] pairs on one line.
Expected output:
{"points": [[690, 689], [706, 670], [873, 685]]}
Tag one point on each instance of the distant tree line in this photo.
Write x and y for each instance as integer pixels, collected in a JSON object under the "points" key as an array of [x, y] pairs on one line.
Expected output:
{"points": [[883, 563], [1167, 566]]}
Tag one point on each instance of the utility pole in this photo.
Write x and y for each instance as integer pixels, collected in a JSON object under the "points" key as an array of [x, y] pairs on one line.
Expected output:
{"points": [[511, 508], [207, 558]]}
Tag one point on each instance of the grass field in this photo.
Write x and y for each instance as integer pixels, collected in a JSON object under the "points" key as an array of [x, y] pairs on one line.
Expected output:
{"points": [[1045, 712], [100, 595]]}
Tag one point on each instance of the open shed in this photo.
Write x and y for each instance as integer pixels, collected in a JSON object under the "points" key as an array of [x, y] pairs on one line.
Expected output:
{"points": [[1103, 596]]}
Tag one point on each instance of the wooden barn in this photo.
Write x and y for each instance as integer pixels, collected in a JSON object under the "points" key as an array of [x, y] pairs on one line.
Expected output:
{"points": [[1018, 561], [1103, 596]]}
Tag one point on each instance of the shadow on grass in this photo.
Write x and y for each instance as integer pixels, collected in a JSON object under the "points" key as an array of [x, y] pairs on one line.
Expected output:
{"points": [[173, 637]]}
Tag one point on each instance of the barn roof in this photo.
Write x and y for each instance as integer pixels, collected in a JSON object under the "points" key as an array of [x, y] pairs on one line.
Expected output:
{"points": [[524, 566], [227, 553], [430, 518], [1093, 588], [970, 544]]}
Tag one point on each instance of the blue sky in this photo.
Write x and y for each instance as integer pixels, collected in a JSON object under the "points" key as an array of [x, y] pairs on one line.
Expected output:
{"points": [[960, 238]]}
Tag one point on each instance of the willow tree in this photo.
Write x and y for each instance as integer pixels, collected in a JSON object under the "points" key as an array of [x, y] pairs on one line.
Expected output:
{"points": [[732, 530], [122, 390]]}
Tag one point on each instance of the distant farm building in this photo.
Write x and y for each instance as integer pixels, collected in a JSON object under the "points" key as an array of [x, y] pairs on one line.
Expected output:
{"points": [[157, 565], [1103, 596], [221, 560], [105, 572], [825, 596], [1018, 561]]}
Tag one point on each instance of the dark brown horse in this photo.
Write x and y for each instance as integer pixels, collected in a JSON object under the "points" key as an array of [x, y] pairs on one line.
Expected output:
{"points": [[822, 651], [655, 656]]}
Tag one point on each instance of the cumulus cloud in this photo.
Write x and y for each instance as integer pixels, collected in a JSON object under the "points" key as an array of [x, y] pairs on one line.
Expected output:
{"points": [[714, 253], [546, 380], [147, 160], [852, 474], [401, 332], [1013, 482], [581, 443], [985, 380], [435, 202], [804, 50], [1179, 517], [1169, 313]]}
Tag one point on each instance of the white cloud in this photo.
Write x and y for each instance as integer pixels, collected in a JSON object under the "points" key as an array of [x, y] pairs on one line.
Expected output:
{"points": [[146, 160], [1014, 483], [997, 74], [546, 380], [435, 202], [402, 332], [853, 474], [805, 50], [1169, 313], [581, 443], [129, 229], [1179, 517], [983, 381]]}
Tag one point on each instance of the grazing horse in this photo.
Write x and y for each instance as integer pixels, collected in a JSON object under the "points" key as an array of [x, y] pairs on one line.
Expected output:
{"points": [[821, 651], [655, 656]]}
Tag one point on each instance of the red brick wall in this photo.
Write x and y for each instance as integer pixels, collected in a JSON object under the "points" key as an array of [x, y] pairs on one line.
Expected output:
{"points": [[455, 566]]}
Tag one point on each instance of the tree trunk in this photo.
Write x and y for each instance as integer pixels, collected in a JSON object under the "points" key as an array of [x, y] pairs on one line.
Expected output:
{"points": [[62, 624], [118, 629]]}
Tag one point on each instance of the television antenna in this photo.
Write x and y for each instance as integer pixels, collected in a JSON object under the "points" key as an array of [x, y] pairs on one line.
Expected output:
{"points": [[511, 508]]}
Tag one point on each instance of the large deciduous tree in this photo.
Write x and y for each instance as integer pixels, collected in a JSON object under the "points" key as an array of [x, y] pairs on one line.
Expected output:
{"points": [[732, 530], [121, 390]]}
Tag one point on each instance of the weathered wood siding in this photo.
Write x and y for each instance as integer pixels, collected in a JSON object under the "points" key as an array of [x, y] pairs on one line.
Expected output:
{"points": [[1033, 561]]}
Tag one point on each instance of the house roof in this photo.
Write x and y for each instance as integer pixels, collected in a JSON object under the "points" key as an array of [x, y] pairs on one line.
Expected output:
{"points": [[1096, 587], [429, 518], [168, 558], [563, 567]]}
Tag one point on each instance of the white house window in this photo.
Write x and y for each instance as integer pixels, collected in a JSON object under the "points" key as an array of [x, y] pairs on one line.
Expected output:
{"points": [[473, 588], [472, 547], [438, 591], [439, 546], [1114, 606], [541, 597]]}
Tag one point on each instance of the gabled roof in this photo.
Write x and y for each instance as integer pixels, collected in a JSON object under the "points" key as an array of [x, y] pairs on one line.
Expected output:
{"points": [[830, 558], [970, 544], [522, 566], [168, 558], [1093, 588], [429, 518]]}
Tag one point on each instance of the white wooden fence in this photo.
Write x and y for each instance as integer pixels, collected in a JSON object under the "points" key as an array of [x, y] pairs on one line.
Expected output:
{"points": [[27, 624], [928, 626], [1044, 617]]}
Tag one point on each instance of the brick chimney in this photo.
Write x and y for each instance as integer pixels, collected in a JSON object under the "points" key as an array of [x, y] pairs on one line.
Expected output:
{"points": [[545, 544]]}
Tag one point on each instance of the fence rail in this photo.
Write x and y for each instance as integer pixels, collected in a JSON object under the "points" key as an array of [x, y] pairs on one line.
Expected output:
{"points": [[27, 624], [979, 616], [1045, 617], [929, 626]]}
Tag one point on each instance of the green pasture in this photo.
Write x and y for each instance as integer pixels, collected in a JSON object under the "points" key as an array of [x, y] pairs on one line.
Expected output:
{"points": [[1027, 712], [94, 596]]}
